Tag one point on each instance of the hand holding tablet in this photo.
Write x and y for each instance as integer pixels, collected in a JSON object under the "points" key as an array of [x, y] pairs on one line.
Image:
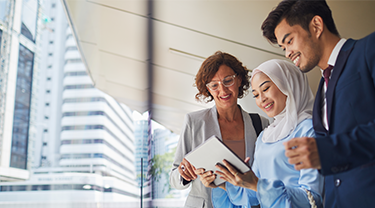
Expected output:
{"points": [[213, 151]]}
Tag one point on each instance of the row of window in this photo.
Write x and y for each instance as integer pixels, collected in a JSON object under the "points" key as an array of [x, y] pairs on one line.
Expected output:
{"points": [[76, 73], [93, 127], [95, 155], [76, 87], [95, 141], [61, 187], [97, 113], [97, 99]]}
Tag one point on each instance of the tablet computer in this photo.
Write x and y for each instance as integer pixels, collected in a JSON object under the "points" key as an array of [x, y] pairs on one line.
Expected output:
{"points": [[214, 151]]}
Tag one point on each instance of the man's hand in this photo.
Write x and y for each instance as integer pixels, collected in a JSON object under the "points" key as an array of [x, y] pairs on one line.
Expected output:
{"points": [[302, 153], [187, 170]]}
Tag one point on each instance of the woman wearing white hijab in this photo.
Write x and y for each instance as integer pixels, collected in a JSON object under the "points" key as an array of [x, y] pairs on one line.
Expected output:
{"points": [[282, 92]]}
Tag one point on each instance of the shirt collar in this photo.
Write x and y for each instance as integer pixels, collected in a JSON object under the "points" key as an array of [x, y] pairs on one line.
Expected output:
{"points": [[335, 52]]}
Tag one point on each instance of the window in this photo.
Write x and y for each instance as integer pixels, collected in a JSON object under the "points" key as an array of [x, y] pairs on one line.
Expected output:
{"points": [[22, 104], [29, 19], [73, 61], [45, 130], [44, 143], [46, 117], [49, 66], [84, 86], [48, 91], [47, 104], [48, 78]]}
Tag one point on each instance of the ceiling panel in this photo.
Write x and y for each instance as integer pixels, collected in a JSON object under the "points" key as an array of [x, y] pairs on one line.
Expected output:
{"points": [[112, 38]]}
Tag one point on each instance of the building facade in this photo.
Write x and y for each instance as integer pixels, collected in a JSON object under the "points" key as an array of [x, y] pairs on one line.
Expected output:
{"points": [[20, 26], [82, 139]]}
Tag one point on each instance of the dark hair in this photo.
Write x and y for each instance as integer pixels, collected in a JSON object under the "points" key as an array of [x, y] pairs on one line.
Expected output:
{"points": [[297, 12], [209, 68]]}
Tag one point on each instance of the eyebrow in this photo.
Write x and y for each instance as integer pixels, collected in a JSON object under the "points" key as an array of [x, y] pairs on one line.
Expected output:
{"points": [[285, 36], [262, 84]]}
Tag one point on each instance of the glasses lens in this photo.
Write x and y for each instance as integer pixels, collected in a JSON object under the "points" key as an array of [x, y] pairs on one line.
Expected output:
{"points": [[228, 81], [213, 85]]}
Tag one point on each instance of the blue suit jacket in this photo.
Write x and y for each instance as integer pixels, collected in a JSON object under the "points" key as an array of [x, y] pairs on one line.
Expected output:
{"points": [[347, 150]]}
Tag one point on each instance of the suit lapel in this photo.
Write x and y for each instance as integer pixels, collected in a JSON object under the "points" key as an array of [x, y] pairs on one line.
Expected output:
{"points": [[338, 68], [317, 111]]}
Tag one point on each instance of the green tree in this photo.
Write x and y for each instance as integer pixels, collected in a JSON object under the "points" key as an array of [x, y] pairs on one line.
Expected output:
{"points": [[161, 165]]}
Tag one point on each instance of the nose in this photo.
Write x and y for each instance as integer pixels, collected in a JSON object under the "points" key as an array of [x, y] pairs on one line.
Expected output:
{"points": [[222, 87], [288, 53], [262, 97]]}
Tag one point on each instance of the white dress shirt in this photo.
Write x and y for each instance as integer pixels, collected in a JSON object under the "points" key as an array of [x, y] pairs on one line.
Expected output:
{"points": [[331, 61]]}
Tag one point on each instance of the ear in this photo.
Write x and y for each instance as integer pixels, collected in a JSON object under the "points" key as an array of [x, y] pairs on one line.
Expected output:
{"points": [[316, 26]]}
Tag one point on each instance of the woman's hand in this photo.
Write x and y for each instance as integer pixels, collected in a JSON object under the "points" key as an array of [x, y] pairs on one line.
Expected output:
{"points": [[233, 176], [186, 170], [207, 178]]}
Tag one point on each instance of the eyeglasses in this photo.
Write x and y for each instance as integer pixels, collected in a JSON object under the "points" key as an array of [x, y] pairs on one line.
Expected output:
{"points": [[227, 82]]}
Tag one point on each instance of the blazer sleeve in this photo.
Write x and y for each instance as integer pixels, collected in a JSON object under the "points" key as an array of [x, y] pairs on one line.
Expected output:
{"points": [[345, 151], [183, 147]]}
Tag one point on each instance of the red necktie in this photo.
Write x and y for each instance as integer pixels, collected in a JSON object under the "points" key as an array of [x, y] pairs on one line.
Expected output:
{"points": [[327, 74]]}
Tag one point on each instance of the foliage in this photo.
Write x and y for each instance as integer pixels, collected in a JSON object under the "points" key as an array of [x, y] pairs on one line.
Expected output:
{"points": [[161, 165]]}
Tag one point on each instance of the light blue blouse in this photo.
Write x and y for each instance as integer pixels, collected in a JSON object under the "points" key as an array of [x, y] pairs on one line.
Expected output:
{"points": [[279, 185]]}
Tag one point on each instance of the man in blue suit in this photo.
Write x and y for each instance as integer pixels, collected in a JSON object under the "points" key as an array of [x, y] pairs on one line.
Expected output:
{"points": [[344, 113]]}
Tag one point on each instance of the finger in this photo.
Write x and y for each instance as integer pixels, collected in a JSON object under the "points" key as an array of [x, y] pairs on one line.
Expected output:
{"points": [[199, 171], [247, 160], [189, 168], [208, 182], [223, 176], [231, 168], [291, 143], [299, 166], [209, 179], [291, 153], [223, 169], [295, 160], [207, 174], [184, 174], [186, 177]]}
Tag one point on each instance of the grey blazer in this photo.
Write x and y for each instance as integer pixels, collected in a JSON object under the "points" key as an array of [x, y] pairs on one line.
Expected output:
{"points": [[198, 127]]}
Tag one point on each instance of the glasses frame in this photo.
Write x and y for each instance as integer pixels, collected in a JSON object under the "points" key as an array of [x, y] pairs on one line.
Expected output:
{"points": [[221, 82]]}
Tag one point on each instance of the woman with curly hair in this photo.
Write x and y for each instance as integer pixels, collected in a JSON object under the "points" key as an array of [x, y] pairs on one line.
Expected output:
{"points": [[223, 79]]}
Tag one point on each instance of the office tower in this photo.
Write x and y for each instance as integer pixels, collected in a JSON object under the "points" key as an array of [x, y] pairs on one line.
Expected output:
{"points": [[20, 28], [84, 138]]}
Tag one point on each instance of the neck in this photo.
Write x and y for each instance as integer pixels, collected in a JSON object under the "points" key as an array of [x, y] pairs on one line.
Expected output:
{"points": [[228, 114], [328, 43]]}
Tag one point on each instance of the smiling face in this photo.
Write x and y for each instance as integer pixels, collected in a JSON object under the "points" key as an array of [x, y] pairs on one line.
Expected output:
{"points": [[268, 96], [299, 45], [225, 97]]}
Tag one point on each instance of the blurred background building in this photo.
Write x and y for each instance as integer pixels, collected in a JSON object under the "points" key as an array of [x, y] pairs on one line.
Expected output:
{"points": [[72, 143], [19, 77]]}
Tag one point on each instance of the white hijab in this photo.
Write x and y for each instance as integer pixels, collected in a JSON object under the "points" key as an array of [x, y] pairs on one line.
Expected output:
{"points": [[299, 103]]}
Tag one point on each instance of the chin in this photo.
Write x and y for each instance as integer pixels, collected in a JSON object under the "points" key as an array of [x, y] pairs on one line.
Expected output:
{"points": [[305, 69]]}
